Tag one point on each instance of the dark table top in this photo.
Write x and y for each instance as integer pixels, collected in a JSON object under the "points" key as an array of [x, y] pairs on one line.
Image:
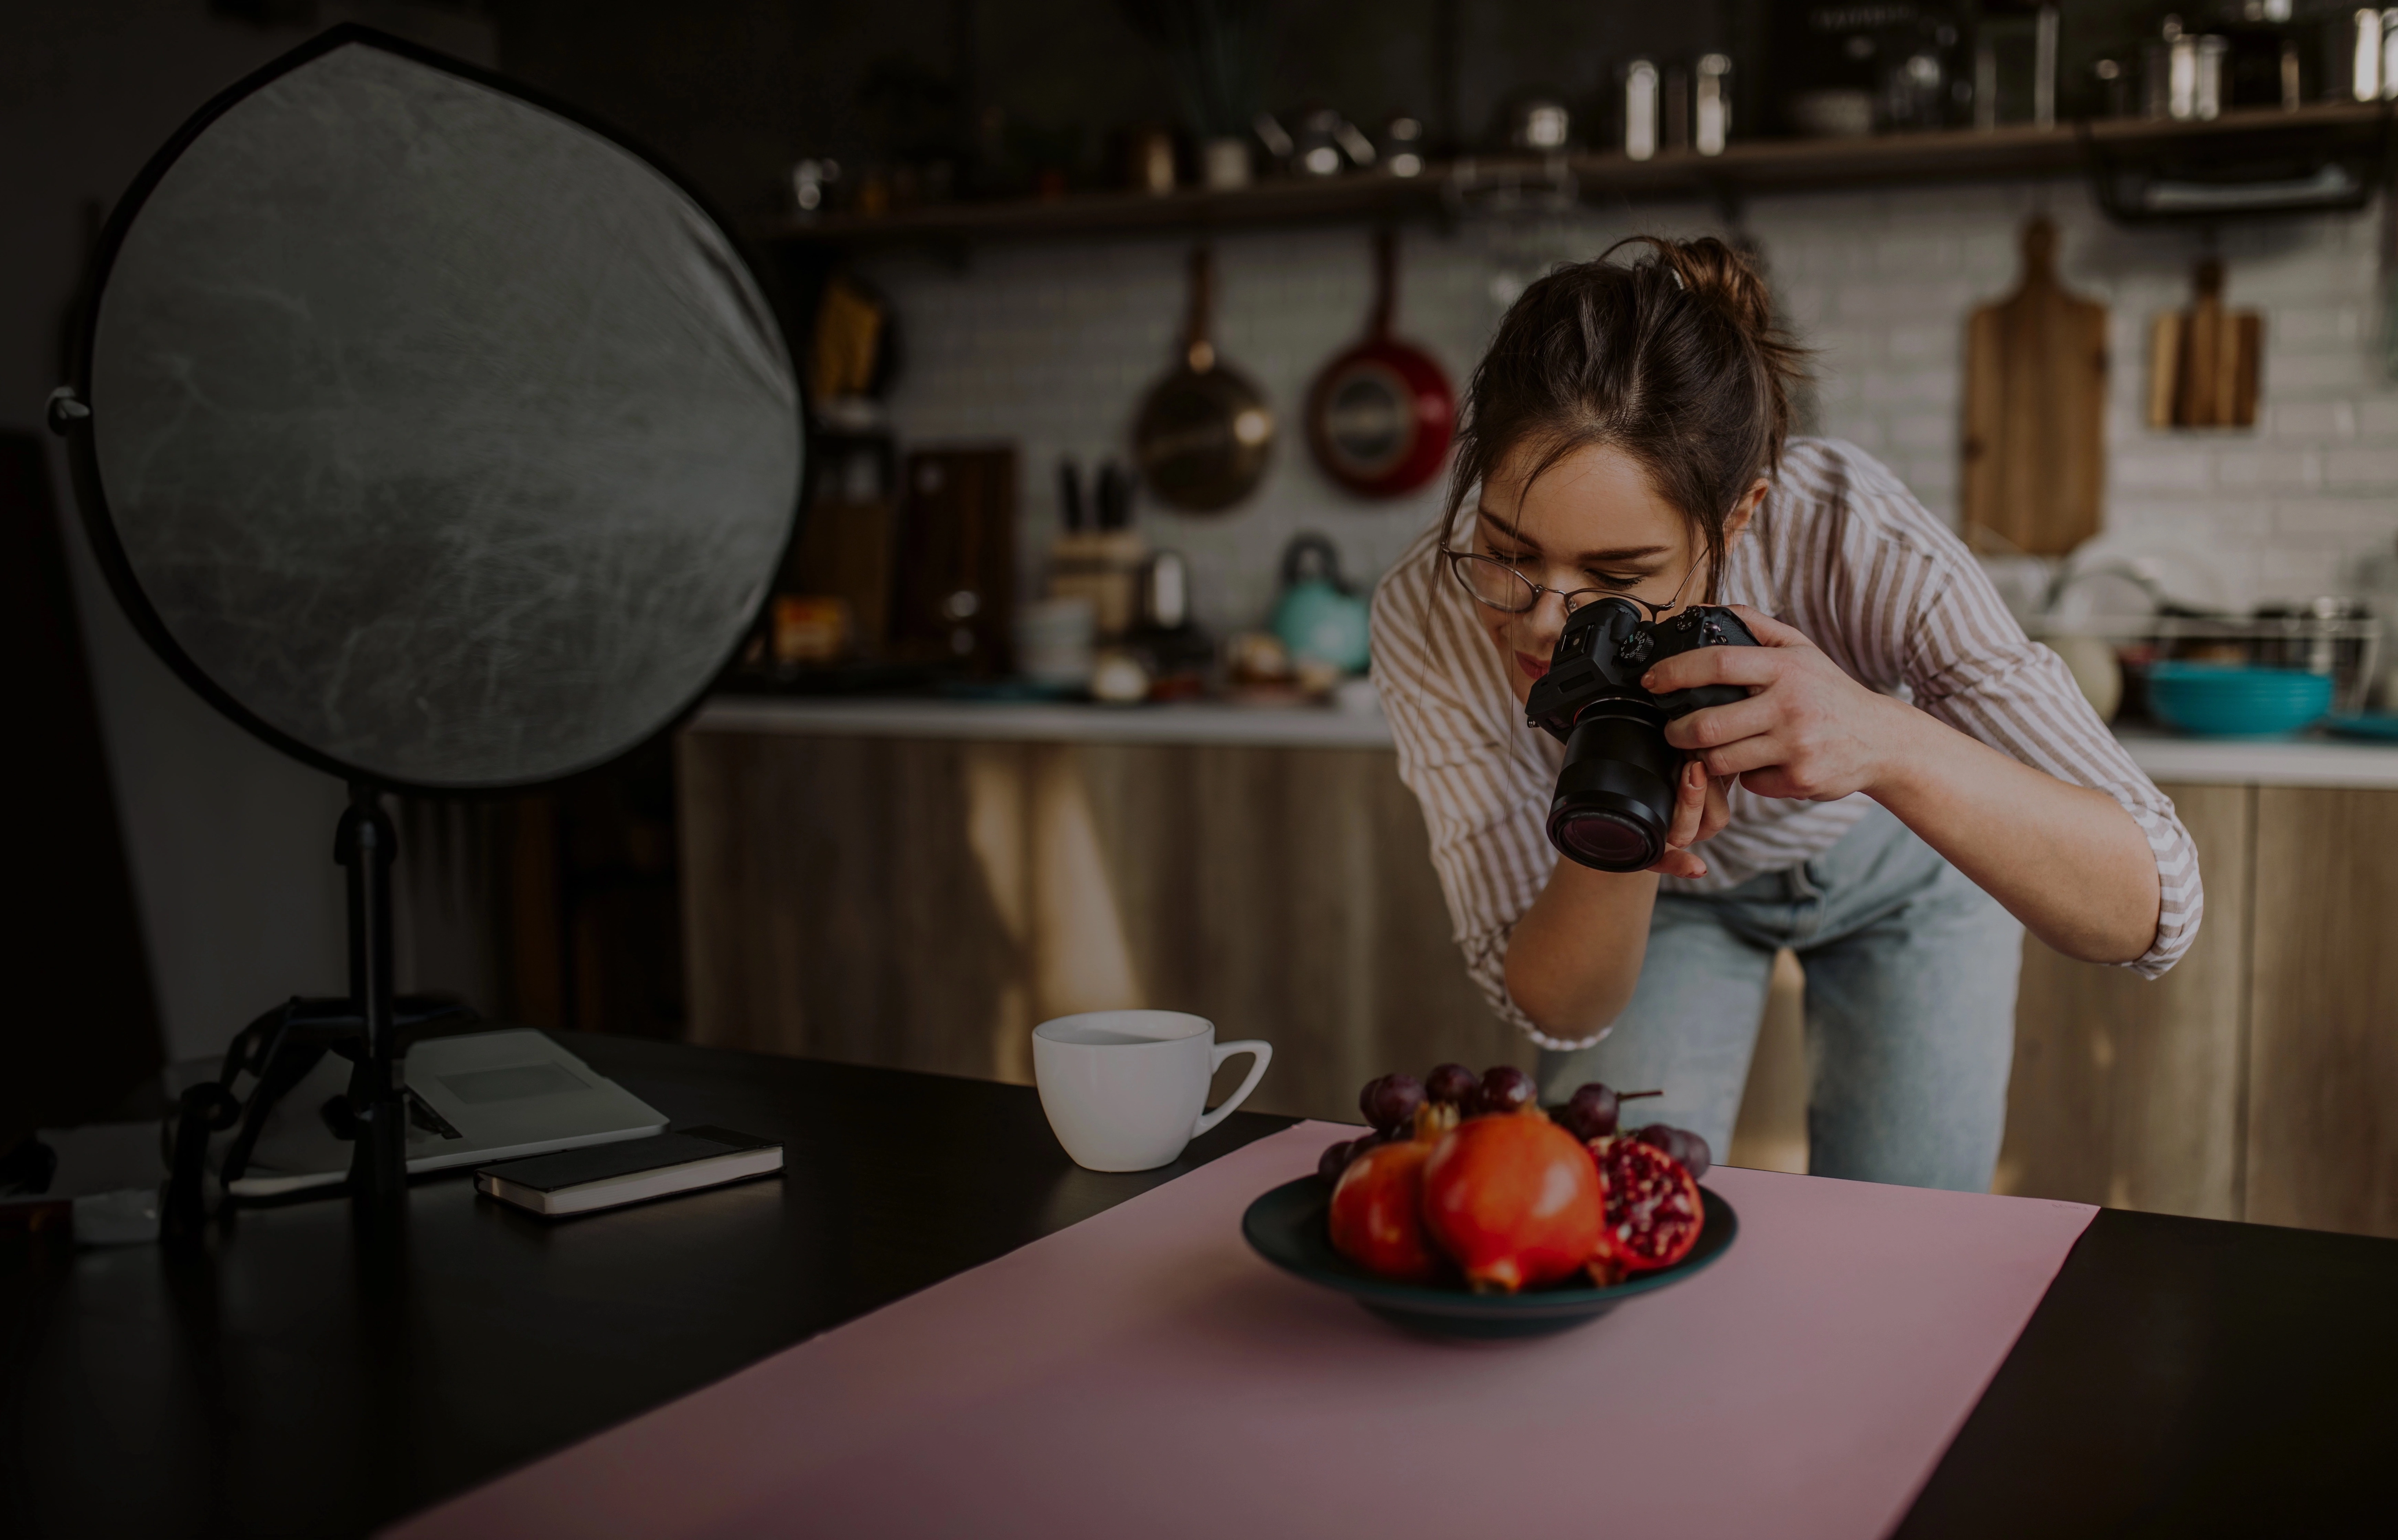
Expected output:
{"points": [[305, 1374]]}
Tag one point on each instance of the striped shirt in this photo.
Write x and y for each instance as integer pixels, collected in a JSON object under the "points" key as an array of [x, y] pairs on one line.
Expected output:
{"points": [[1843, 552]]}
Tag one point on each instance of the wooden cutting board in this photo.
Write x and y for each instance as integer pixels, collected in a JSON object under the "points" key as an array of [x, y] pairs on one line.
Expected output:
{"points": [[2035, 413], [2202, 361]]}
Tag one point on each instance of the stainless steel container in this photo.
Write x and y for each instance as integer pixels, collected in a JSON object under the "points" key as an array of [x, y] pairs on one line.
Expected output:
{"points": [[2185, 74], [2334, 634]]}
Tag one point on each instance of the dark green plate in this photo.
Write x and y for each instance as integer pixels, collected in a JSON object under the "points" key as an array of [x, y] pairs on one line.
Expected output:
{"points": [[1286, 1226], [2381, 727]]}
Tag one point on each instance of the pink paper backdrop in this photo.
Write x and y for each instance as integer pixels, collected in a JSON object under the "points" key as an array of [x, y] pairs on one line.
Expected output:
{"points": [[1143, 1373]]}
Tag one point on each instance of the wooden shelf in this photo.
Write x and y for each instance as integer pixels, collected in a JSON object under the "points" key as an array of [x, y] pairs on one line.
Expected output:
{"points": [[1283, 201], [1746, 169]]}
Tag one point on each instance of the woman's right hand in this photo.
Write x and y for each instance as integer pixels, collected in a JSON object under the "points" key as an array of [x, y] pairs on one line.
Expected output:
{"points": [[1701, 809]]}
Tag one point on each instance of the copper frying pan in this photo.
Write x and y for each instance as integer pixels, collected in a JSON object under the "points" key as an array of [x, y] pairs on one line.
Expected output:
{"points": [[1382, 414], [1205, 432]]}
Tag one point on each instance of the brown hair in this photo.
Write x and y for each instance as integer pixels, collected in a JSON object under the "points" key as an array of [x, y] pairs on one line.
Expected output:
{"points": [[1675, 359]]}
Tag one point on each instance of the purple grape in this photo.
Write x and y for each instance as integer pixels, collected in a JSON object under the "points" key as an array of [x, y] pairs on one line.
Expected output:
{"points": [[1390, 1102], [1506, 1088], [1682, 1144], [1336, 1159], [1590, 1112], [1455, 1085]]}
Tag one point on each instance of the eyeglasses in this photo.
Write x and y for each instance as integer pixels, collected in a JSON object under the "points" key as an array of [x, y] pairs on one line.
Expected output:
{"points": [[1504, 588], [1507, 590]]}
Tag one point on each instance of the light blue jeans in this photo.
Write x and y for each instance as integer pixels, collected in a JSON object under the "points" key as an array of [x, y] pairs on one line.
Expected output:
{"points": [[1910, 1011]]}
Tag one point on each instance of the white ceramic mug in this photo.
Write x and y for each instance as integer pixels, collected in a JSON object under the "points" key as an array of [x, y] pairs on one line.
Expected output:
{"points": [[1127, 1089]]}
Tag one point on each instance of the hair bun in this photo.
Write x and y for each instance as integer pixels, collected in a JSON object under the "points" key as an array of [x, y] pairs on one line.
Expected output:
{"points": [[1712, 270]]}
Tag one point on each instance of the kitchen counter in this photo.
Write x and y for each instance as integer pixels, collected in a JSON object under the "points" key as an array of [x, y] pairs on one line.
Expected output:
{"points": [[1267, 868], [2313, 761], [2310, 760]]}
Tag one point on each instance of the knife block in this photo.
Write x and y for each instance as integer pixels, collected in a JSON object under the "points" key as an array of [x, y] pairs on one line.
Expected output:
{"points": [[1105, 567]]}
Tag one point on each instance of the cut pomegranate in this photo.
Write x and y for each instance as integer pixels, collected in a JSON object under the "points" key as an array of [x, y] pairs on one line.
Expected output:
{"points": [[1654, 1212], [1512, 1199]]}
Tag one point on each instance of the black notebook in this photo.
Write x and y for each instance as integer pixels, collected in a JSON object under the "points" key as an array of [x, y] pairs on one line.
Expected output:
{"points": [[603, 1175]]}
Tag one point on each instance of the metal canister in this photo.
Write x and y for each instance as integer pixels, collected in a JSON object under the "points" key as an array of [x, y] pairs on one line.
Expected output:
{"points": [[2332, 634]]}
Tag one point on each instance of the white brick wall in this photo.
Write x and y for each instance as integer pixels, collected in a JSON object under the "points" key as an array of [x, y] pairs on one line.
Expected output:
{"points": [[1051, 345]]}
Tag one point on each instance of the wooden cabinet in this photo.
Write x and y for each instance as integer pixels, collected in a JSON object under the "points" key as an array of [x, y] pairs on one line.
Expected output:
{"points": [[924, 903], [2250, 1082], [2322, 1012], [2129, 1092]]}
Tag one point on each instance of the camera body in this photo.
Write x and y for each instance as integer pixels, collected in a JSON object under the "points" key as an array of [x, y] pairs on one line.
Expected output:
{"points": [[1614, 800]]}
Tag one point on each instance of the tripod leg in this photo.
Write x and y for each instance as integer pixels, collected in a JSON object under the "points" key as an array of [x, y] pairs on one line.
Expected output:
{"points": [[365, 846], [203, 1109]]}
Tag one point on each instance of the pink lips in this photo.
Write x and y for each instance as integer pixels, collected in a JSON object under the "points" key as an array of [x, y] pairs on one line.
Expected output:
{"points": [[1534, 666]]}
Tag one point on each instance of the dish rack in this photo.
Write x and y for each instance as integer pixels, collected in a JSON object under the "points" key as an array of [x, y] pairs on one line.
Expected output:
{"points": [[2346, 644]]}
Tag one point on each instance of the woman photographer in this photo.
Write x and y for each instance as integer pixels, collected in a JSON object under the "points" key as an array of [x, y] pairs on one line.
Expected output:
{"points": [[1909, 783]]}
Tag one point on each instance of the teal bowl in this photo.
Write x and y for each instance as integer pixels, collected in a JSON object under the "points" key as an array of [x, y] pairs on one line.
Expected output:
{"points": [[2219, 700], [1288, 1227]]}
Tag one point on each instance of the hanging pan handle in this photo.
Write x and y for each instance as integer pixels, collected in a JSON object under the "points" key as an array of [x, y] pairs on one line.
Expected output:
{"points": [[1196, 349], [1386, 282]]}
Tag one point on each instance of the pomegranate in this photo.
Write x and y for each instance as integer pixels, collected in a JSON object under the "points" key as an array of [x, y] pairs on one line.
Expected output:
{"points": [[1513, 1199], [1654, 1212], [1378, 1212]]}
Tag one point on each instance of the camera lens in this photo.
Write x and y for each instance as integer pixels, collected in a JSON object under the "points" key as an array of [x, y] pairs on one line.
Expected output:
{"points": [[1608, 841], [1615, 796]]}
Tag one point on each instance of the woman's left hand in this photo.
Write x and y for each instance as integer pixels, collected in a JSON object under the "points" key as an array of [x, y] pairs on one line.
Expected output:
{"points": [[1807, 731], [1701, 810]]}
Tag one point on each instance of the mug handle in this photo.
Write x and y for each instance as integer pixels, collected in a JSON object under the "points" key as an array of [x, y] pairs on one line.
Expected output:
{"points": [[1260, 1054]]}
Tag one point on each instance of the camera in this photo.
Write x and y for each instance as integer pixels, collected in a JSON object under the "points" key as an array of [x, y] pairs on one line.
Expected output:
{"points": [[1615, 796]]}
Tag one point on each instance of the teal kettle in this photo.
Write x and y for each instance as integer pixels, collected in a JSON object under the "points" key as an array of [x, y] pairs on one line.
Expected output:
{"points": [[1318, 617]]}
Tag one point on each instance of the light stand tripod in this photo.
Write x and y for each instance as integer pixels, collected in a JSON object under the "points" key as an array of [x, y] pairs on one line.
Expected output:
{"points": [[281, 1047]]}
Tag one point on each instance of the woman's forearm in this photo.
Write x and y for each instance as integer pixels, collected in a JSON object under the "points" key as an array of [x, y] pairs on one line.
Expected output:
{"points": [[1575, 955], [2065, 860], [2068, 862]]}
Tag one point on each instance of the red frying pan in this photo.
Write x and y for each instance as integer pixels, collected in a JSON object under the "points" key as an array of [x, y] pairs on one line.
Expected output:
{"points": [[1381, 415]]}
